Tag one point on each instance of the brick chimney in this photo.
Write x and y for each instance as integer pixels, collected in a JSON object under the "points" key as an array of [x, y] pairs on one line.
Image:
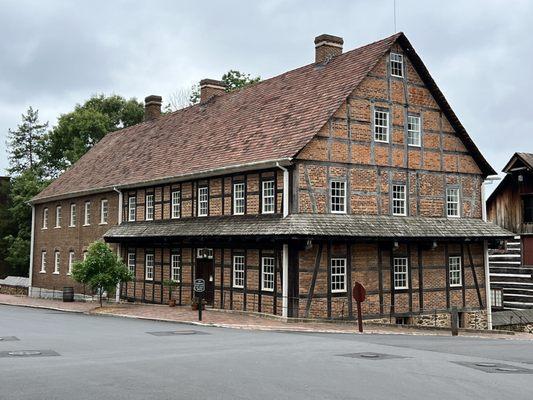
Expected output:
{"points": [[152, 107], [210, 88], [327, 47]]}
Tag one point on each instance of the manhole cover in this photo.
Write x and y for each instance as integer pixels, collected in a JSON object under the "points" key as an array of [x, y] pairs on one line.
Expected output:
{"points": [[27, 353], [24, 353], [485, 365], [8, 338], [371, 356], [495, 368], [505, 369], [177, 333]]}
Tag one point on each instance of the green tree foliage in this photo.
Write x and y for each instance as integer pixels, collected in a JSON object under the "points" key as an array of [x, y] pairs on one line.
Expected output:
{"points": [[77, 131], [102, 269], [233, 80]]}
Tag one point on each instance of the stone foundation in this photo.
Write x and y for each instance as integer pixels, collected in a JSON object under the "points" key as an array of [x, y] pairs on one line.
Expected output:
{"points": [[469, 320]]}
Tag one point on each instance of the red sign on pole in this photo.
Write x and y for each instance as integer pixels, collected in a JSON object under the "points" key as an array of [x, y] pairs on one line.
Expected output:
{"points": [[359, 295]]}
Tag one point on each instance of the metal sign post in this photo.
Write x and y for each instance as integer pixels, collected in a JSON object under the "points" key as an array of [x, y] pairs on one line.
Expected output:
{"points": [[359, 295], [199, 289]]}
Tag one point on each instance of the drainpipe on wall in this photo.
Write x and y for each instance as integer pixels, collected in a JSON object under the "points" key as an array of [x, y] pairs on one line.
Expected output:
{"points": [[119, 220], [285, 254], [32, 244]]}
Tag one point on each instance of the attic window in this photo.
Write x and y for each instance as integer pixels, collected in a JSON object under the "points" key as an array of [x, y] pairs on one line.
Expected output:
{"points": [[396, 65]]}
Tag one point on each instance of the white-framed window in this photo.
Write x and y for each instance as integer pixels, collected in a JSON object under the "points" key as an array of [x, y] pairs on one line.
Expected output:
{"points": [[149, 267], [45, 218], [452, 202], [496, 299], [43, 262], [401, 280], [132, 262], [414, 136], [176, 204], [149, 206], [175, 267], [203, 201], [399, 200], [338, 275], [70, 262], [132, 208], [58, 217], [238, 198], [267, 273], [87, 216], [268, 193], [57, 262], [238, 272], [73, 215], [454, 269], [104, 211], [396, 65], [338, 196], [381, 126]]}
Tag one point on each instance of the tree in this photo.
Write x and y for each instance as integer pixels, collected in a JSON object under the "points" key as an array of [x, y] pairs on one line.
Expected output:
{"points": [[24, 142], [102, 269], [77, 131]]}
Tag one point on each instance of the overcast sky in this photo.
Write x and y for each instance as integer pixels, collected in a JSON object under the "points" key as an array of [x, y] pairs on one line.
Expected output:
{"points": [[54, 54]]}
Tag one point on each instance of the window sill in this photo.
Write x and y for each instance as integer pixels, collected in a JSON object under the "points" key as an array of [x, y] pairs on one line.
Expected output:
{"points": [[72, 226], [414, 145], [267, 212], [338, 212], [338, 291], [268, 290], [44, 229], [69, 273], [453, 216], [42, 272], [57, 227], [381, 141], [86, 225], [55, 273], [456, 286], [102, 223]]}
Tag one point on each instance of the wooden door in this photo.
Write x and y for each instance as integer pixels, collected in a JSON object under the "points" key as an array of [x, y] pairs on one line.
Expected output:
{"points": [[205, 269]]}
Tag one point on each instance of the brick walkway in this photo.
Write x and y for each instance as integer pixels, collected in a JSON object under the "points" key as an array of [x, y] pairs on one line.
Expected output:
{"points": [[224, 318]]}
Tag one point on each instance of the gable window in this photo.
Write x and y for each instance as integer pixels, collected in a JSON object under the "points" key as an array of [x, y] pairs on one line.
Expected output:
{"points": [[131, 262], [87, 220], [104, 211], [338, 197], [149, 207], [175, 267], [338, 275], [381, 126], [58, 217], [452, 202], [70, 262], [400, 273], [57, 261], [267, 197], [132, 208], [149, 267], [528, 209], [45, 218], [73, 215], [238, 198], [454, 268], [43, 262], [396, 65], [203, 201], [267, 274], [399, 206], [238, 272], [413, 130], [176, 204]]}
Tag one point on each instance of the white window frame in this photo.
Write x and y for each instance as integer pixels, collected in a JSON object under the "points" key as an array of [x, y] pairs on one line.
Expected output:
{"points": [[175, 267], [132, 262], [45, 218], [149, 262], [396, 64], [132, 208], [59, 217], [268, 197], [203, 201], [414, 130], [399, 199], [496, 298], [239, 198], [268, 271], [337, 196], [104, 211], [208, 253], [381, 125], [401, 273], [238, 271], [87, 214], [338, 275], [73, 215], [70, 262], [43, 262], [176, 204], [451, 201], [57, 262], [149, 207], [455, 267]]}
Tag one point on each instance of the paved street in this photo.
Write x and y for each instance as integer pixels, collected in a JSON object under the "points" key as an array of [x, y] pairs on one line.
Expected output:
{"points": [[116, 358]]}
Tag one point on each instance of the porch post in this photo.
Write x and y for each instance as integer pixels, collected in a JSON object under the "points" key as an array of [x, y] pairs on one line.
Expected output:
{"points": [[285, 283]]}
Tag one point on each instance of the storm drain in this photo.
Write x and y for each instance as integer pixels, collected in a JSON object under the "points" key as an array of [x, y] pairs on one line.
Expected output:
{"points": [[27, 353], [8, 338], [495, 368], [177, 333], [371, 356]]}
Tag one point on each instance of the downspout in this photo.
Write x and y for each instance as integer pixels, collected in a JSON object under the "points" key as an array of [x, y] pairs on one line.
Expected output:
{"points": [[119, 220], [285, 253], [32, 244]]}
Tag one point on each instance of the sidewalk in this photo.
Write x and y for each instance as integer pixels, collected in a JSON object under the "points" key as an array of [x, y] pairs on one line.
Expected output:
{"points": [[225, 319]]}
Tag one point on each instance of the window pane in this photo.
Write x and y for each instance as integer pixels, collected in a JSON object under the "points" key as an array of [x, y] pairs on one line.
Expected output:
{"points": [[399, 200], [131, 262], [454, 265], [400, 273], [176, 204], [238, 271], [268, 194], [238, 198], [396, 64], [413, 130], [452, 202], [149, 267], [381, 126], [150, 207], [175, 267], [267, 281], [338, 275], [203, 201]]}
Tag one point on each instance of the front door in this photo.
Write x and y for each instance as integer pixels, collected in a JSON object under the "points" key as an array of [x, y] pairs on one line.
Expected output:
{"points": [[205, 269]]}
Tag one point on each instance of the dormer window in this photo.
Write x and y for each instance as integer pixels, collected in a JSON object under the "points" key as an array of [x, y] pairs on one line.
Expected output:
{"points": [[396, 65]]}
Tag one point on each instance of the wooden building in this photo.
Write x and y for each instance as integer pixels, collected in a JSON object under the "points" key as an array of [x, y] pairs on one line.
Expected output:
{"points": [[283, 194]]}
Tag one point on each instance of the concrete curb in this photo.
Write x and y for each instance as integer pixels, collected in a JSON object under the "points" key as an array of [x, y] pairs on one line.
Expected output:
{"points": [[43, 307]]}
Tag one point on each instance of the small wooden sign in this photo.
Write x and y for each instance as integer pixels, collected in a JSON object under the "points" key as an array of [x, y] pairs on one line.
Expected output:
{"points": [[359, 295]]}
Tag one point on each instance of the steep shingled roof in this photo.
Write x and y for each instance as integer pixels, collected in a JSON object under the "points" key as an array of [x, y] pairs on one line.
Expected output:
{"points": [[271, 120]]}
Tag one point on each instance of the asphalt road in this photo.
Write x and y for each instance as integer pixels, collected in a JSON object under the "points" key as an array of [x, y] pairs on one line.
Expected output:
{"points": [[115, 358]]}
